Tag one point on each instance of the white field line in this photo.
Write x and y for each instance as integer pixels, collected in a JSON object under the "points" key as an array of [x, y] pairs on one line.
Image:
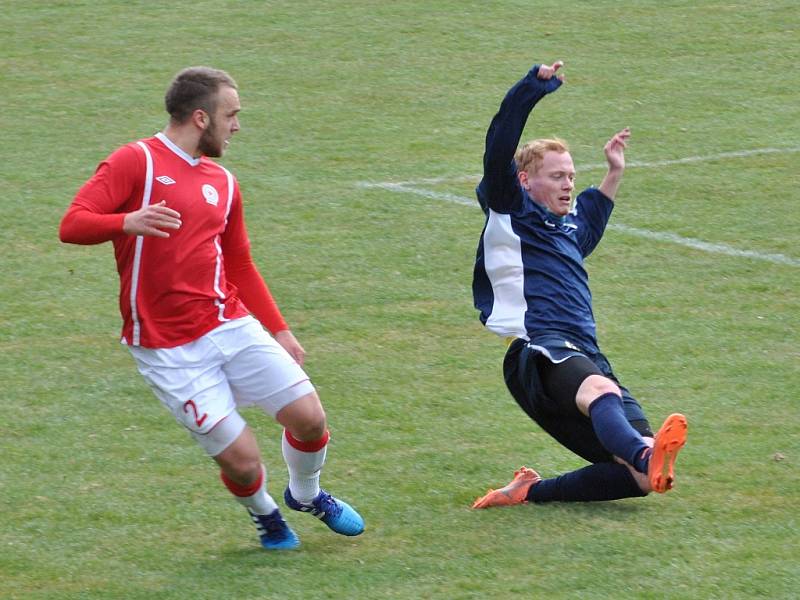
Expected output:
{"points": [[412, 187], [406, 188], [780, 259]]}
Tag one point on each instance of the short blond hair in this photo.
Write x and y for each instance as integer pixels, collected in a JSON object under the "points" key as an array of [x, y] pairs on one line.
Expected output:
{"points": [[531, 154]]}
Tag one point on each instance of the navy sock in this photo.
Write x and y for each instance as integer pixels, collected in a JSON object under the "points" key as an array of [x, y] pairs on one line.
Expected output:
{"points": [[601, 481], [615, 432]]}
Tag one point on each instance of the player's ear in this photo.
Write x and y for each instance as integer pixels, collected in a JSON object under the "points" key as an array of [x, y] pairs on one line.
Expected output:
{"points": [[200, 118], [523, 180]]}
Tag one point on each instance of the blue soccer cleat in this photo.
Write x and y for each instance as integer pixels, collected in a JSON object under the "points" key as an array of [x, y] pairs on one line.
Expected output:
{"points": [[335, 513], [275, 534]]}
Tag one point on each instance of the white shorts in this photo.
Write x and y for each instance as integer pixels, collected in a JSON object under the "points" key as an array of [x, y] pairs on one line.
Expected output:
{"points": [[203, 382]]}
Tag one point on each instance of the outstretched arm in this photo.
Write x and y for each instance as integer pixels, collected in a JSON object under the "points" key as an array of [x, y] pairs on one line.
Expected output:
{"points": [[615, 156], [499, 189]]}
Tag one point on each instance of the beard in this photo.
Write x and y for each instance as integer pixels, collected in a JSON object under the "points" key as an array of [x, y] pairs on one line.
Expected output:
{"points": [[210, 144]]}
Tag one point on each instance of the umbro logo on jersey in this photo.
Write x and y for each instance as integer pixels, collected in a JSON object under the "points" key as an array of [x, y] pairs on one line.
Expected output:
{"points": [[166, 180], [210, 194]]}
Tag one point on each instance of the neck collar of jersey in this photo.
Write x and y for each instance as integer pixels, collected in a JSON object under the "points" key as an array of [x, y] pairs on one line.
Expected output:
{"points": [[553, 218], [557, 219], [549, 216], [177, 150]]}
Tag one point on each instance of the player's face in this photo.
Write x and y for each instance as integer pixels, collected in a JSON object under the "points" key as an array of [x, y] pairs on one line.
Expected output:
{"points": [[222, 124], [553, 183]]}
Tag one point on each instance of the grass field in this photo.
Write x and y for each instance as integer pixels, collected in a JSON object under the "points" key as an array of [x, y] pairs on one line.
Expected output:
{"points": [[103, 496]]}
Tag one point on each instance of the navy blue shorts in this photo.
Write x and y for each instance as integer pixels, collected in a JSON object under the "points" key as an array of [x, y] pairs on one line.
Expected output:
{"points": [[544, 375]]}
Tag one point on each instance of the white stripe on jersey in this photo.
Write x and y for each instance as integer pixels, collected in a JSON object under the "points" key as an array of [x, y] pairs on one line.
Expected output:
{"points": [[229, 175], [502, 258], [137, 255], [218, 269]]}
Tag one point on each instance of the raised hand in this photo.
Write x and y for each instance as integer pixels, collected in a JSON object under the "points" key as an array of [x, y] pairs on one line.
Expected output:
{"points": [[546, 72], [615, 149]]}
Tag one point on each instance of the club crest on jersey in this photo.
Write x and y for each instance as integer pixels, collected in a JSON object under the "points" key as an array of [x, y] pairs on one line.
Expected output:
{"points": [[210, 194], [166, 179]]}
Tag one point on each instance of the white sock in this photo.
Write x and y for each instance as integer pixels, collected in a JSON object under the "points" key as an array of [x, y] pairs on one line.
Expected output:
{"points": [[304, 461]]}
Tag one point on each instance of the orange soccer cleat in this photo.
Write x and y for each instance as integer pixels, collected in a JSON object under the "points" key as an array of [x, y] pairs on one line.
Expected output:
{"points": [[515, 492], [668, 441]]}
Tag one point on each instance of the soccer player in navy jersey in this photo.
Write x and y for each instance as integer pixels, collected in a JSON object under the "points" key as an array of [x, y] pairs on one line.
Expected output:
{"points": [[196, 311], [532, 289]]}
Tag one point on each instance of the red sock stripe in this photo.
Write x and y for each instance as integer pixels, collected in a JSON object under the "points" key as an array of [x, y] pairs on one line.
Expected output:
{"points": [[239, 490], [312, 446]]}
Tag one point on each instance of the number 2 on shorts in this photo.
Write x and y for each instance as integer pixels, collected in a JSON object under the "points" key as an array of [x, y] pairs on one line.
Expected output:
{"points": [[197, 418]]}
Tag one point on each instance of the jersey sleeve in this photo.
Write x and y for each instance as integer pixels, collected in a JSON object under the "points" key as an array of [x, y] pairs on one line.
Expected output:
{"points": [[499, 188], [97, 212], [592, 215], [242, 272]]}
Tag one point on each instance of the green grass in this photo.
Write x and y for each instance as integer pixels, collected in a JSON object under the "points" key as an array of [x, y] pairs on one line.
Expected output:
{"points": [[103, 496]]}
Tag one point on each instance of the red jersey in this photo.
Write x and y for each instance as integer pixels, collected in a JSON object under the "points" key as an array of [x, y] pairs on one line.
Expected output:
{"points": [[172, 290]]}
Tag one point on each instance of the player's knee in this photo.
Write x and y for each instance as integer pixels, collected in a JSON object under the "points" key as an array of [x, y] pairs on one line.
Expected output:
{"points": [[595, 386], [304, 418], [251, 467], [241, 460], [243, 469], [592, 388], [312, 428]]}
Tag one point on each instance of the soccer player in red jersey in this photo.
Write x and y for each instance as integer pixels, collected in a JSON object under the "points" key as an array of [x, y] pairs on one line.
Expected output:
{"points": [[194, 306]]}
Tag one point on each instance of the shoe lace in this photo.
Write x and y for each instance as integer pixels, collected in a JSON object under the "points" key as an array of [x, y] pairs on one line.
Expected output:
{"points": [[273, 526], [327, 504]]}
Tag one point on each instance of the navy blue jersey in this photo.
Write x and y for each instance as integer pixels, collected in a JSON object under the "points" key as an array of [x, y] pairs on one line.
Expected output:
{"points": [[529, 280]]}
